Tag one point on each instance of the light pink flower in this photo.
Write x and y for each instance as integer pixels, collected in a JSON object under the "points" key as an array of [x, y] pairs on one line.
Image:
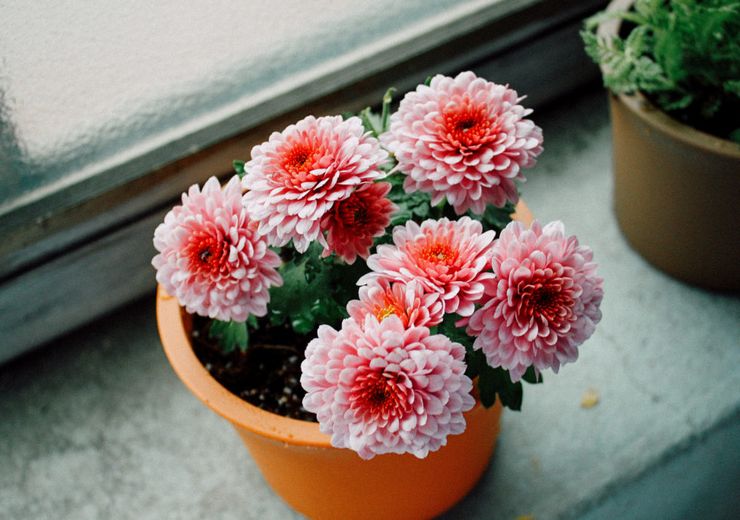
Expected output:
{"points": [[413, 305], [353, 223], [211, 257], [296, 177], [545, 301], [465, 139], [447, 257], [385, 388]]}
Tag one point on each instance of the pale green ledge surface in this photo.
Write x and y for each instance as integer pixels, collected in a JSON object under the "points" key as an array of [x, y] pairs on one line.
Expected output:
{"points": [[98, 426]]}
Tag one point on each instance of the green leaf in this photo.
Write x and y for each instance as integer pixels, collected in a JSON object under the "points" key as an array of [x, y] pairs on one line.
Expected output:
{"points": [[510, 393], [455, 333], [530, 376], [238, 167], [303, 324], [411, 206], [495, 218], [386, 110], [315, 290], [289, 298], [487, 387], [229, 334], [371, 121], [475, 361], [732, 86], [496, 381]]}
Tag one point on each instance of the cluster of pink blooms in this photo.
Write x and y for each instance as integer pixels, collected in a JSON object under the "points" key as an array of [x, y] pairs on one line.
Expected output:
{"points": [[315, 177], [448, 258], [537, 298], [384, 382]]}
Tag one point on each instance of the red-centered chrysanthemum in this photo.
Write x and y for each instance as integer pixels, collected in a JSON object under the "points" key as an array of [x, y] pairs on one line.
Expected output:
{"points": [[297, 176], [545, 301], [353, 223], [211, 257], [410, 302], [465, 139], [386, 388], [449, 258]]}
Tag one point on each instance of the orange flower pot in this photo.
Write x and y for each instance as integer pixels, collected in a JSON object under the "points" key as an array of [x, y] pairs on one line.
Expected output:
{"points": [[321, 481]]}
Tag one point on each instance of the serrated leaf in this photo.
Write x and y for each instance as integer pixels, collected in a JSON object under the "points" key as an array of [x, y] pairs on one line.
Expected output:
{"points": [[511, 393], [475, 361], [530, 376], [453, 332], [495, 218], [303, 324], [315, 290], [371, 122], [230, 335], [496, 381], [487, 387]]}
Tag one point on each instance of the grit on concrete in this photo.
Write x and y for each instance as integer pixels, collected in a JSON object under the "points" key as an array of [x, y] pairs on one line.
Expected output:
{"points": [[96, 425]]}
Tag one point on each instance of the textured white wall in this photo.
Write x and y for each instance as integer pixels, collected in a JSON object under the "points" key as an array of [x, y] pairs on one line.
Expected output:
{"points": [[81, 81]]}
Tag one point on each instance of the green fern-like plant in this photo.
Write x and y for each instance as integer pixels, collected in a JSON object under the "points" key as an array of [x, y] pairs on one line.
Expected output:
{"points": [[683, 54]]}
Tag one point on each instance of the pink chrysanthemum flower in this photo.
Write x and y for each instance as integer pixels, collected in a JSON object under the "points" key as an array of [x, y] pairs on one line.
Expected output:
{"points": [[448, 257], [298, 175], [413, 305], [545, 301], [353, 223], [465, 139], [385, 388], [211, 257]]}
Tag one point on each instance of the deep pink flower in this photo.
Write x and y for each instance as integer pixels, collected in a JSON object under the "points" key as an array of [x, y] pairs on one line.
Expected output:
{"points": [[353, 223], [448, 257], [211, 257], [413, 305], [545, 301], [465, 139], [296, 177], [385, 388]]}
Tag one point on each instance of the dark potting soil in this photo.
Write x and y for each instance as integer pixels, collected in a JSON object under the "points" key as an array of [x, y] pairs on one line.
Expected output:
{"points": [[266, 375]]}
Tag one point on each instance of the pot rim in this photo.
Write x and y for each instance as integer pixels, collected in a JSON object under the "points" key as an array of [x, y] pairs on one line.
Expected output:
{"points": [[173, 335], [199, 381], [654, 116]]}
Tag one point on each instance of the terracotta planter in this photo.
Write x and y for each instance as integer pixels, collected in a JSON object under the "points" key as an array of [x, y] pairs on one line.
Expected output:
{"points": [[320, 481], [676, 190]]}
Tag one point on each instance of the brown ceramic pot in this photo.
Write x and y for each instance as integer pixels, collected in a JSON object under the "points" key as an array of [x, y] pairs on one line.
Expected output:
{"points": [[321, 481], [676, 190]]}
